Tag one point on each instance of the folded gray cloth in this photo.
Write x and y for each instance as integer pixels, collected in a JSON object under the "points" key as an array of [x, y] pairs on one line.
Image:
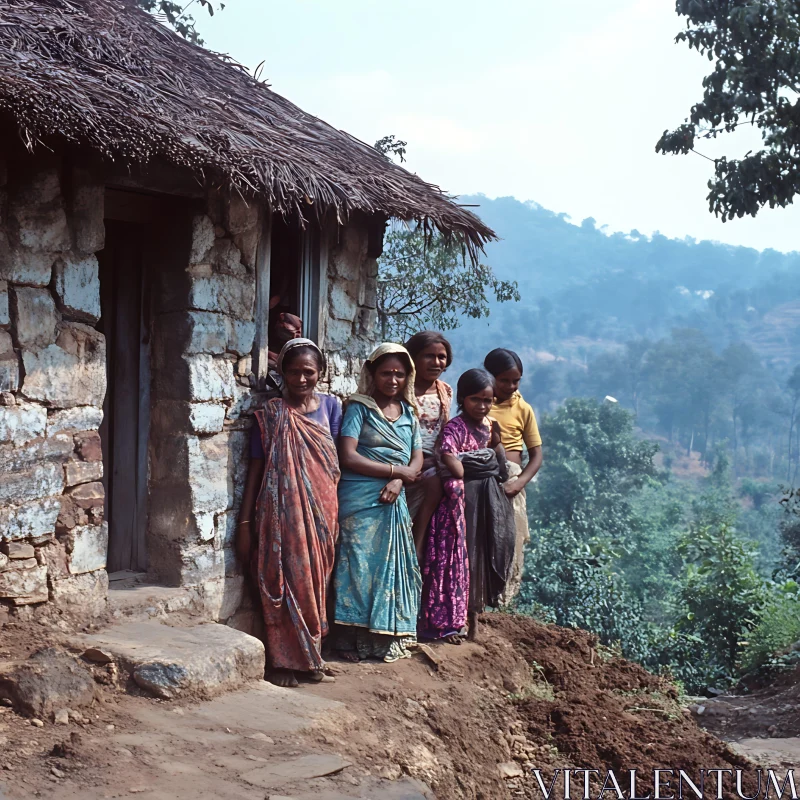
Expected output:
{"points": [[491, 533]]}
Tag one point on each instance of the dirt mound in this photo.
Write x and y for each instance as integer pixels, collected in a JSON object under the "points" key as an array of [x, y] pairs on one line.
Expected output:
{"points": [[525, 696]]}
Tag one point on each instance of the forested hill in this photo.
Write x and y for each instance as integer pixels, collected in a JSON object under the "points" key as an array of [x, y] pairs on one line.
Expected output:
{"points": [[584, 290]]}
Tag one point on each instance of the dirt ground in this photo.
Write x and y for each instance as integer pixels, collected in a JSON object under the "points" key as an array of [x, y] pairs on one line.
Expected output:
{"points": [[468, 722]]}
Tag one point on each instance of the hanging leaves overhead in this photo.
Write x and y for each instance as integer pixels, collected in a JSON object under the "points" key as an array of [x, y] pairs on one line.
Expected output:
{"points": [[754, 46]]}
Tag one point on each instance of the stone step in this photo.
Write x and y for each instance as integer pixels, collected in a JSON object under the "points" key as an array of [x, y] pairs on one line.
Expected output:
{"points": [[171, 661]]}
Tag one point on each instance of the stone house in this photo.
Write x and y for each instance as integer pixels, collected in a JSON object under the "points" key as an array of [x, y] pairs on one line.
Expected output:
{"points": [[153, 197]]}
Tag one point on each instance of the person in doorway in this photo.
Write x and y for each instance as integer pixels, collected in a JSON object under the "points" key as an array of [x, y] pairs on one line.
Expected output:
{"points": [[288, 524], [282, 329], [377, 579], [432, 355], [518, 429], [468, 551]]}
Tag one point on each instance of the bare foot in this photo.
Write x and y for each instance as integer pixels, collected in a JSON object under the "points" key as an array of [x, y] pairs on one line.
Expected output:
{"points": [[282, 677], [318, 676], [349, 655], [453, 639]]}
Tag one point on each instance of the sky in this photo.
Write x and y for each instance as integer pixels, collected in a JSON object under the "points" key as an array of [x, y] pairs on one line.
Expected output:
{"points": [[559, 102]]}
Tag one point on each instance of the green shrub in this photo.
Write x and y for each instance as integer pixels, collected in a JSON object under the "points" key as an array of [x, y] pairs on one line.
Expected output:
{"points": [[778, 629]]}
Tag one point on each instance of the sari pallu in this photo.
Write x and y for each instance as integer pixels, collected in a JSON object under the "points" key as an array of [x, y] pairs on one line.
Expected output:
{"points": [[297, 518], [377, 579]]}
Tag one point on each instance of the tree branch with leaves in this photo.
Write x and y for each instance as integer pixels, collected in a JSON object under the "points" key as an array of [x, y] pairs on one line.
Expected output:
{"points": [[426, 280], [176, 15], [755, 48]]}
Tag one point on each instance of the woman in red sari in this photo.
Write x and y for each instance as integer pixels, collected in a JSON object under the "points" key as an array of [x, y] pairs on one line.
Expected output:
{"points": [[289, 519]]}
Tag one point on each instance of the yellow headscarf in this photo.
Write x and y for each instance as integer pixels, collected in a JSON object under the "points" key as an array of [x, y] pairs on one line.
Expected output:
{"points": [[366, 385]]}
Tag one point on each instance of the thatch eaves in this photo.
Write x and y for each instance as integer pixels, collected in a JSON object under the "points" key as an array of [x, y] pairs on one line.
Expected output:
{"points": [[107, 75]]}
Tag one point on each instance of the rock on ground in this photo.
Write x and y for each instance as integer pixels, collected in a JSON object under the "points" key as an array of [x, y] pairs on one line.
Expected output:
{"points": [[47, 682], [168, 661]]}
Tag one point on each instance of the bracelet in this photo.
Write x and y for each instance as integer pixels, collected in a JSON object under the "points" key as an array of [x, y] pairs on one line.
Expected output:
{"points": [[391, 474], [243, 522]]}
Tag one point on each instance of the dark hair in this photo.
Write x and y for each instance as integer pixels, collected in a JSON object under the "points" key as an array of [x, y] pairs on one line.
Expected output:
{"points": [[425, 339], [303, 350], [502, 360], [472, 382], [372, 366]]}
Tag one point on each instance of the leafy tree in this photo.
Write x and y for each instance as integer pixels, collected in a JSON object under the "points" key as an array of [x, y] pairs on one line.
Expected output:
{"points": [[721, 593], [582, 522], [425, 280], [755, 47], [594, 465], [176, 16]]}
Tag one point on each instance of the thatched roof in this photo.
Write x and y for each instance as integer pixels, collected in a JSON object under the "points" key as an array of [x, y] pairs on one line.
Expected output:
{"points": [[106, 74]]}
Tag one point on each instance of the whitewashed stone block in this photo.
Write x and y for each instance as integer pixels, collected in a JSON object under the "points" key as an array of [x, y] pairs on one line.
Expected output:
{"points": [[42, 480], [9, 372], [208, 473], [338, 334], [206, 417], [22, 423], [343, 300], [227, 259], [4, 317], [225, 294], [208, 332], [26, 268], [71, 372], [9, 364], [35, 317], [204, 523], [77, 284], [241, 334], [210, 378], [81, 596], [24, 586], [74, 420], [29, 520], [77, 472], [89, 548], [243, 403], [202, 239], [222, 596]]}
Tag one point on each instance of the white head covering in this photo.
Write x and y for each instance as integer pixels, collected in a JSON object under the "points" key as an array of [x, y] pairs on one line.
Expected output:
{"points": [[300, 342], [366, 384]]}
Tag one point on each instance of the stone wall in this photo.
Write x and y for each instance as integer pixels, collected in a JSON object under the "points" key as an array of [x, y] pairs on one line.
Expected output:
{"points": [[350, 314], [53, 539], [202, 340]]}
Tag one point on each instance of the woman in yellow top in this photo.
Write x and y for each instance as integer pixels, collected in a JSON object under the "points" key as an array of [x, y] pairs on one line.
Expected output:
{"points": [[518, 429]]}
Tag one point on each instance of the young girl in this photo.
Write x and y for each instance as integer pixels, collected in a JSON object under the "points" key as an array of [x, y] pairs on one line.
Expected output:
{"points": [[432, 355], [517, 428], [454, 572]]}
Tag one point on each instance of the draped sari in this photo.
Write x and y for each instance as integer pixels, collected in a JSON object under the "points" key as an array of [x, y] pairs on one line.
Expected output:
{"points": [[297, 519], [377, 578]]}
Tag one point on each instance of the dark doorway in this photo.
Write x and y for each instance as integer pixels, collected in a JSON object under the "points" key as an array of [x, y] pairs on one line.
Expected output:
{"points": [[294, 273], [125, 302]]}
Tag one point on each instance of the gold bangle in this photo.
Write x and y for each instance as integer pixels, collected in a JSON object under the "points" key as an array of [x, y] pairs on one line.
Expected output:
{"points": [[391, 474]]}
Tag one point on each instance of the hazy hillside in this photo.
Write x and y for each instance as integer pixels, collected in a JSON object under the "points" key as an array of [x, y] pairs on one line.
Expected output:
{"points": [[584, 291]]}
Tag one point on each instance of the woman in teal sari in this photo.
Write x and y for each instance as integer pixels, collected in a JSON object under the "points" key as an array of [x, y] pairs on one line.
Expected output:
{"points": [[377, 580]]}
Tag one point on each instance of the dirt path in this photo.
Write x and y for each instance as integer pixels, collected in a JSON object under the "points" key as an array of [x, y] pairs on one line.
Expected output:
{"points": [[763, 724], [470, 722]]}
